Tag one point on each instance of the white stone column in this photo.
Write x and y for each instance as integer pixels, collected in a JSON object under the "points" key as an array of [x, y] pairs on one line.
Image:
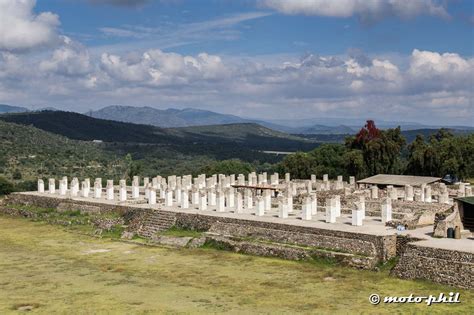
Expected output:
{"points": [[289, 205], [267, 199], [428, 196], [337, 199], [239, 204], [40, 186], [135, 188], [62, 187], [468, 191], [230, 197], [361, 206], [110, 190], [352, 181], [248, 199], [306, 209], [314, 204], [260, 203], [462, 189], [339, 182], [313, 178], [146, 181], [392, 192], [65, 182], [211, 197], [331, 210], [374, 192], [178, 194], [422, 192], [357, 215], [74, 187], [195, 196], [287, 177], [202, 200], [85, 189], [241, 180], [123, 190], [386, 210], [282, 207], [220, 201], [184, 199], [152, 196], [147, 191], [169, 197], [309, 186], [408, 193], [97, 189], [325, 177]]}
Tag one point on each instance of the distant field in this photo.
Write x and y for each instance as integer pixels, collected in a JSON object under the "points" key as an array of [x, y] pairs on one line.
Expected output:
{"points": [[50, 270]]}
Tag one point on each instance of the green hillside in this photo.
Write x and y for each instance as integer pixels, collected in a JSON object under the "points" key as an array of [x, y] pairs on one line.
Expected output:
{"points": [[27, 153], [81, 127]]}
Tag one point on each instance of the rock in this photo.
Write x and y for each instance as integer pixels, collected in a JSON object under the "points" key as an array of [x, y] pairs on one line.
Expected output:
{"points": [[197, 242], [127, 235]]}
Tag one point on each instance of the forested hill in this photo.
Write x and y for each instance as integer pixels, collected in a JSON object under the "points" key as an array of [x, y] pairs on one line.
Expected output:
{"points": [[27, 152], [82, 127]]}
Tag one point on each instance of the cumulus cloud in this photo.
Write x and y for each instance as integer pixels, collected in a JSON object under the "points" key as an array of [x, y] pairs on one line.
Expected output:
{"points": [[21, 29], [156, 67], [72, 59], [367, 10], [357, 84]]}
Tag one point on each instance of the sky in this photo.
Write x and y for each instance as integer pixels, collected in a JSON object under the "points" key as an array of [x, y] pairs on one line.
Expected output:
{"points": [[395, 60]]}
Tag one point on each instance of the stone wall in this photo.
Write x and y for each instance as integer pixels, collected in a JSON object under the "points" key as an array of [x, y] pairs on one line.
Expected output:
{"points": [[449, 267], [381, 247]]}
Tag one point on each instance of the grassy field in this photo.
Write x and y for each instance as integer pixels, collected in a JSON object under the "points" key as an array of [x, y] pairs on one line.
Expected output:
{"points": [[50, 270]]}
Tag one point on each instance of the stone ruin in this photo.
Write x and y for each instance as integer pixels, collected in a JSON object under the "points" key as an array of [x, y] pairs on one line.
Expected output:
{"points": [[260, 194]]}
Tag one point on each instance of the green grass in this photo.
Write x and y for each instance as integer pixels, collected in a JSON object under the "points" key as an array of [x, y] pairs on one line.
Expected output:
{"points": [[54, 271]]}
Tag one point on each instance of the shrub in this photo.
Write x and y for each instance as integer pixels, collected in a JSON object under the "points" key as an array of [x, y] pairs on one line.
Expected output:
{"points": [[6, 187]]}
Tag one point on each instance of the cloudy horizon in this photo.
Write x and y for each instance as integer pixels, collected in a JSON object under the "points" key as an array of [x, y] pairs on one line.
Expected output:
{"points": [[271, 59]]}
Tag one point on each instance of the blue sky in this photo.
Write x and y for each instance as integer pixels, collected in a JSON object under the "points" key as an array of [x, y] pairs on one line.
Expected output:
{"points": [[273, 33], [383, 59]]}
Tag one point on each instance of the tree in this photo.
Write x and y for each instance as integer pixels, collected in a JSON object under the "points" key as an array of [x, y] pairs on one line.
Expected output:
{"points": [[380, 149], [228, 167], [299, 165]]}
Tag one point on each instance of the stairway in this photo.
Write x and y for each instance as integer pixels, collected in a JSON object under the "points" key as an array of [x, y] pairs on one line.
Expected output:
{"points": [[156, 221]]}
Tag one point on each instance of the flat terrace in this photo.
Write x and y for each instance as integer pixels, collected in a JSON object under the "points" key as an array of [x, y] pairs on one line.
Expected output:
{"points": [[372, 224]]}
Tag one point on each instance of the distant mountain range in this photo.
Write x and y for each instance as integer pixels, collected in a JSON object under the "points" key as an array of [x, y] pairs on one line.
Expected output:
{"points": [[189, 117], [12, 109]]}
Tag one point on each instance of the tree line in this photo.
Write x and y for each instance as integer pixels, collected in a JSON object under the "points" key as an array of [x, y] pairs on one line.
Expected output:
{"points": [[373, 151]]}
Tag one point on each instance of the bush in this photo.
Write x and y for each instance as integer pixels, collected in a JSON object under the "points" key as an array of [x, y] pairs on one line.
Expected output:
{"points": [[17, 175], [6, 187]]}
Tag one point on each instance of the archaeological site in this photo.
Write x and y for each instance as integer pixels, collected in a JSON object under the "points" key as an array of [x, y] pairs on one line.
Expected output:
{"points": [[420, 221]]}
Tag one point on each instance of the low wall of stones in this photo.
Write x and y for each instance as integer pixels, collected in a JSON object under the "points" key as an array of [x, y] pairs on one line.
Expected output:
{"points": [[381, 247], [292, 253], [449, 267]]}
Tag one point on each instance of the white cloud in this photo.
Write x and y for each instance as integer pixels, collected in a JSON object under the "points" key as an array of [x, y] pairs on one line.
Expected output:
{"points": [[428, 86], [368, 10], [158, 68], [21, 29], [72, 59]]}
